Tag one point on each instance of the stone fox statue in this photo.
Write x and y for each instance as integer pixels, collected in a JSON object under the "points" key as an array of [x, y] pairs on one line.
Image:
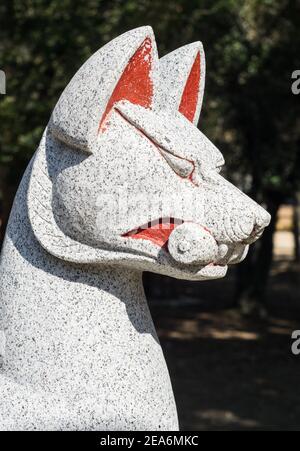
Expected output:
{"points": [[122, 182]]}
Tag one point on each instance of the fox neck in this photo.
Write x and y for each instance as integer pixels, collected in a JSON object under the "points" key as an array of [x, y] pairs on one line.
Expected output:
{"points": [[71, 313], [77, 326], [83, 335]]}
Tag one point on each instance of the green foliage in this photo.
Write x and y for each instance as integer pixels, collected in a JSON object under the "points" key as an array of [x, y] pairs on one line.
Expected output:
{"points": [[252, 49]]}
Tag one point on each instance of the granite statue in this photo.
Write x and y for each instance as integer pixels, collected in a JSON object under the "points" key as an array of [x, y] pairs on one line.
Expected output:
{"points": [[122, 182]]}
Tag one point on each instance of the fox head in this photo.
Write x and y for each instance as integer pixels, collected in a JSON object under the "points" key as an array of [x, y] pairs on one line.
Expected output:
{"points": [[124, 176]]}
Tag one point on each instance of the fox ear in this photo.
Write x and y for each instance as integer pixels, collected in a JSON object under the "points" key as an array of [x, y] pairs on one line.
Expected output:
{"points": [[135, 83], [125, 68], [182, 80]]}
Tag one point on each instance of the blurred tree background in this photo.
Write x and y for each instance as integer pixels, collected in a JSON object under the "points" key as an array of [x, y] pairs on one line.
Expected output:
{"points": [[229, 371], [251, 46]]}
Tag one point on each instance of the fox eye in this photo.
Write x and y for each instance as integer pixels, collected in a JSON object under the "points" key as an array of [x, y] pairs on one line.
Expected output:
{"points": [[184, 168]]}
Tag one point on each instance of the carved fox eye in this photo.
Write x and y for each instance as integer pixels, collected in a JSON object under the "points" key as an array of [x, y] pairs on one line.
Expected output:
{"points": [[181, 166]]}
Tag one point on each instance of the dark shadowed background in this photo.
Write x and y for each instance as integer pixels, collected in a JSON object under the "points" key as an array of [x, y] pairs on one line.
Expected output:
{"points": [[228, 342]]}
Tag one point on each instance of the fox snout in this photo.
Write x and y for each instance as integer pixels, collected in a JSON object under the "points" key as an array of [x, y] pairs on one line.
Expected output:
{"points": [[260, 220], [240, 224], [232, 222]]}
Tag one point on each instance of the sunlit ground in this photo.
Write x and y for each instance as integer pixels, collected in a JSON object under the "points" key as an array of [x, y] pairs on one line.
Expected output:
{"points": [[232, 372]]}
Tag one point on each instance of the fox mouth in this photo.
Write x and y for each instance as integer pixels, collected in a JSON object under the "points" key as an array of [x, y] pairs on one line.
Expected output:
{"points": [[157, 231]]}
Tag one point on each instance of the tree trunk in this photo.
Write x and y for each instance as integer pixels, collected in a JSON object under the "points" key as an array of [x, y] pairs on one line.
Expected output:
{"points": [[253, 273]]}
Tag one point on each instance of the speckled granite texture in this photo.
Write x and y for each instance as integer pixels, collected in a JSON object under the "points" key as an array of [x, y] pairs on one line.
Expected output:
{"points": [[122, 182]]}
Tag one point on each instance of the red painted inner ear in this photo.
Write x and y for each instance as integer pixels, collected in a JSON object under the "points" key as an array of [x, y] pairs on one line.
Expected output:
{"points": [[189, 100], [135, 84]]}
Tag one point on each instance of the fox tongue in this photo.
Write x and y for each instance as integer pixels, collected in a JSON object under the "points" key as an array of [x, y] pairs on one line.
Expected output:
{"points": [[157, 233], [157, 236]]}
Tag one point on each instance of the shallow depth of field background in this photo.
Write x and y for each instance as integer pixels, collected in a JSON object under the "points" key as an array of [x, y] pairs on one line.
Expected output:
{"points": [[228, 342]]}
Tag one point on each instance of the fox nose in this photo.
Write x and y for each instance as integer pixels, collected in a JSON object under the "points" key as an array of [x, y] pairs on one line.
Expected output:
{"points": [[261, 220], [245, 225]]}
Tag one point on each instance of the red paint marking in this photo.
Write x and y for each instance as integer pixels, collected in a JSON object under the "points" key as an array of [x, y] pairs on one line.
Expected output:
{"points": [[158, 232], [189, 100], [135, 84], [157, 236]]}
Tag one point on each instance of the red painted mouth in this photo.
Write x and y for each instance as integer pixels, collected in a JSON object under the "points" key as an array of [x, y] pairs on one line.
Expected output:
{"points": [[157, 231]]}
